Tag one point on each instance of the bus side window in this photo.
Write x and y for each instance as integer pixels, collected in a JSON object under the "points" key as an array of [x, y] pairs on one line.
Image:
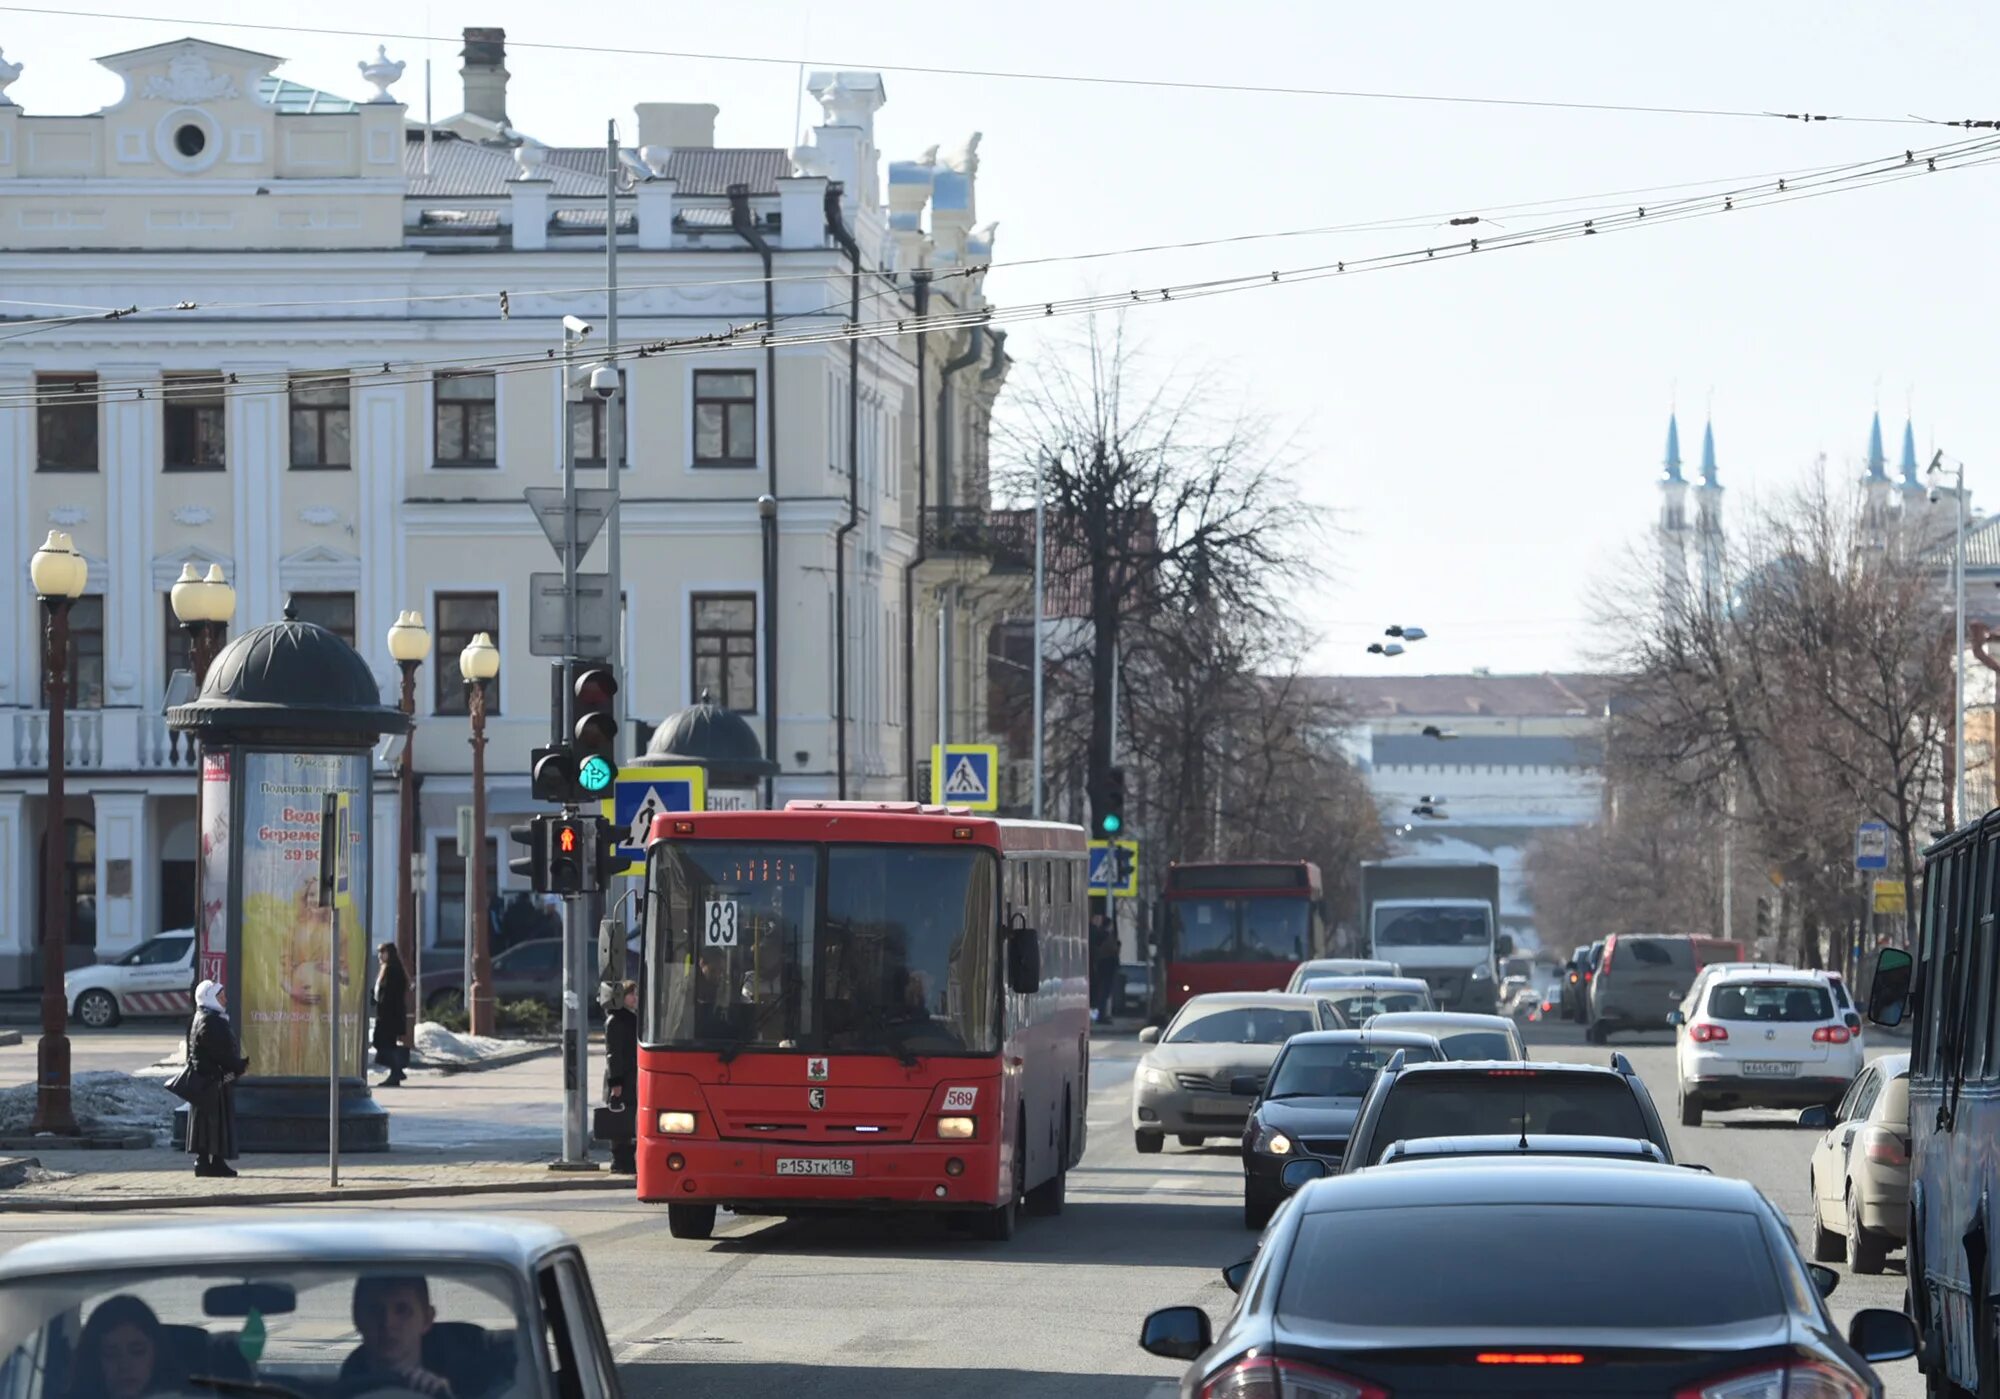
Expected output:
{"points": [[1977, 977]]}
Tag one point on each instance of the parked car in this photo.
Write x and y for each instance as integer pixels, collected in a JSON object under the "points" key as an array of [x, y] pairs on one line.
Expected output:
{"points": [[1462, 1034], [266, 1308], [528, 971], [154, 978], [1639, 981], [1207, 1067], [1861, 1167], [1764, 1039], [1415, 1280]]}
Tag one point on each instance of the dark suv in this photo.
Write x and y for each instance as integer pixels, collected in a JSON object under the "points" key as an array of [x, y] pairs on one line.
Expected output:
{"points": [[1456, 1099]]}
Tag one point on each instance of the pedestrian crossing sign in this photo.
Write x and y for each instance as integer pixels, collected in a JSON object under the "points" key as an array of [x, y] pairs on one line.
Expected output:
{"points": [[1114, 868], [640, 794], [962, 775]]}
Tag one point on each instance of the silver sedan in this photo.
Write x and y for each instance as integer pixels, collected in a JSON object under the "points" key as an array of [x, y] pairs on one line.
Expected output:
{"points": [[1204, 1070]]}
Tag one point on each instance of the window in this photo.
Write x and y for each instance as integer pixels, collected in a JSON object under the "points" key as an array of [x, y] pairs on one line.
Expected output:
{"points": [[322, 423], [450, 866], [725, 649], [334, 611], [468, 417], [587, 432], [66, 422], [194, 422], [725, 418], [86, 655], [180, 655], [79, 891], [459, 617]]}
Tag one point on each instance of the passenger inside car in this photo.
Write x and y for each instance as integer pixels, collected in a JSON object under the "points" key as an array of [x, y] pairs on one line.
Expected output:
{"points": [[403, 1346], [121, 1352]]}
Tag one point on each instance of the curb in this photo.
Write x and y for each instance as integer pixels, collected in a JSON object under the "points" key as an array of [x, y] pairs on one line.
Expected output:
{"points": [[122, 1141], [14, 1170], [9, 1038], [324, 1195]]}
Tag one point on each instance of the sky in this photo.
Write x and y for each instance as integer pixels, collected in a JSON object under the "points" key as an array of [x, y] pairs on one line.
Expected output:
{"points": [[1486, 433]]}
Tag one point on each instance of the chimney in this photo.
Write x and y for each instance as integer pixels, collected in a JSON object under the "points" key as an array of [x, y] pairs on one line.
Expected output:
{"points": [[678, 126], [485, 74]]}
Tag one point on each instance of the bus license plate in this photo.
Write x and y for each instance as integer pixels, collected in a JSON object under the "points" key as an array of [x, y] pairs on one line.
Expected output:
{"points": [[814, 1166], [1769, 1068]]}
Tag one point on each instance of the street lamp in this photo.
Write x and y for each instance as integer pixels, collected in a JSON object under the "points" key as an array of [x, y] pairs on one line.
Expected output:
{"points": [[1936, 471], [203, 607], [58, 573], [479, 662], [409, 643]]}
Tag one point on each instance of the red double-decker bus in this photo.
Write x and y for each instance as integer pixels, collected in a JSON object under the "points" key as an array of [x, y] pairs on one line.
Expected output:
{"points": [[1240, 926], [862, 1005]]}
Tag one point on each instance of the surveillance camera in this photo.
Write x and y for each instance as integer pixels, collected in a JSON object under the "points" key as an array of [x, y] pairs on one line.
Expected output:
{"points": [[576, 325], [604, 381]]}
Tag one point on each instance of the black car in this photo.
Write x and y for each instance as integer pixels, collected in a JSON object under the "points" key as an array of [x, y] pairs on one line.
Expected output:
{"points": [[1463, 1099], [1414, 1280], [1309, 1102]]}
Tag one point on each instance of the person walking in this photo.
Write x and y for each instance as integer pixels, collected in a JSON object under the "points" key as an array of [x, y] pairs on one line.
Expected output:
{"points": [[216, 1064], [1104, 972], [392, 1014], [621, 1074]]}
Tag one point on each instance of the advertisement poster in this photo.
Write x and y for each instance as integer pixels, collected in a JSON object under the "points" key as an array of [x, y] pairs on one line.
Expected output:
{"points": [[287, 973], [213, 959]]}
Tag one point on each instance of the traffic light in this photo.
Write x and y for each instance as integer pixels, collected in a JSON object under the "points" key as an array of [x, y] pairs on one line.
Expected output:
{"points": [[534, 865], [609, 859], [596, 733], [1125, 856], [554, 775], [570, 854], [1111, 811]]}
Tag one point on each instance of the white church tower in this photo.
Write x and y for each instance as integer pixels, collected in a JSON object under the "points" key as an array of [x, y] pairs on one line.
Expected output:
{"points": [[1708, 524], [1673, 527]]}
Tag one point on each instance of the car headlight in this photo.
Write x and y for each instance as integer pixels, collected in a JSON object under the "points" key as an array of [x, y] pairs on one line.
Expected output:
{"points": [[1274, 1143], [676, 1124], [1482, 973], [1156, 1078], [955, 1128]]}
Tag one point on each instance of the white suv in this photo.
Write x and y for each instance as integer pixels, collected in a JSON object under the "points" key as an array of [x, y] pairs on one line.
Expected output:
{"points": [[1763, 1039], [154, 978]]}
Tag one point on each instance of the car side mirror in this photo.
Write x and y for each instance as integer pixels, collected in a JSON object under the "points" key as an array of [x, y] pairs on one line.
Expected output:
{"points": [[1024, 961], [1238, 1273], [1176, 1333], [1816, 1116], [1824, 1278], [1880, 1334], [1150, 1035], [1675, 1017], [1246, 1085], [1889, 991], [1303, 1171]]}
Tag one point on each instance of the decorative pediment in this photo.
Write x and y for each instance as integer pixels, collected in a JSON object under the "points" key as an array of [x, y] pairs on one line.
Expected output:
{"points": [[319, 568], [189, 71], [167, 567]]}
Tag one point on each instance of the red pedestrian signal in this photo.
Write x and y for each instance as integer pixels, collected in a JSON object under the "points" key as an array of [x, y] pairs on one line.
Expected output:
{"points": [[568, 840]]}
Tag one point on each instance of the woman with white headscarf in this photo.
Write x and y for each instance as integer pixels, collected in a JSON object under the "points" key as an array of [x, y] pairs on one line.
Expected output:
{"points": [[213, 1056]]}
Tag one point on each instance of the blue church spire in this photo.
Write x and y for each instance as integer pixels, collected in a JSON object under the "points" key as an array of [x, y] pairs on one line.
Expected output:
{"points": [[1909, 463], [1708, 455], [1878, 461], [1673, 448]]}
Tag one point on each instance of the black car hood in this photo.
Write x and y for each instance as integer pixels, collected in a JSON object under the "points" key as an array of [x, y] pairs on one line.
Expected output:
{"points": [[1310, 1117]]}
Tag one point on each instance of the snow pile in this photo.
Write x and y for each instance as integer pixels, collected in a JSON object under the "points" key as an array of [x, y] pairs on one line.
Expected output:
{"points": [[441, 1046], [104, 1101]]}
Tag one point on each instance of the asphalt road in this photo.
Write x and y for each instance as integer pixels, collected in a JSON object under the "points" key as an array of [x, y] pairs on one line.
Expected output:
{"points": [[871, 1308]]}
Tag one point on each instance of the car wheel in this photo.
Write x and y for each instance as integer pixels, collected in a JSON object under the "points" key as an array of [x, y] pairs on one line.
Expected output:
{"points": [[1827, 1246], [1048, 1197], [1148, 1143], [1257, 1206], [97, 1010], [1865, 1252], [1189, 1141], [691, 1221], [1690, 1109]]}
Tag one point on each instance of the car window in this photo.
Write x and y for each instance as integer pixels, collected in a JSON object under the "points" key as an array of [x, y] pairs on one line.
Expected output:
{"points": [[1864, 1102], [1649, 951], [1358, 1006], [1786, 1002], [1478, 1044], [1848, 1100], [159, 952], [1243, 1025], [1486, 1104], [1371, 1269], [1334, 1070]]}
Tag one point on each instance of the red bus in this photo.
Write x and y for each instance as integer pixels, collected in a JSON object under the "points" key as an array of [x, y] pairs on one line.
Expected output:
{"points": [[1240, 926], [862, 1005]]}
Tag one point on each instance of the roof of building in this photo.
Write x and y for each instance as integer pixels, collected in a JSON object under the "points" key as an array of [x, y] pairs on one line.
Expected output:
{"points": [[1673, 462], [1878, 460], [1909, 462], [1479, 750], [1545, 695], [468, 169], [1708, 455], [296, 99]]}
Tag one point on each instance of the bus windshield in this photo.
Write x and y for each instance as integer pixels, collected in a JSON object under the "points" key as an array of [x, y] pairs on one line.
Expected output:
{"points": [[853, 949], [1240, 930], [1431, 927]]}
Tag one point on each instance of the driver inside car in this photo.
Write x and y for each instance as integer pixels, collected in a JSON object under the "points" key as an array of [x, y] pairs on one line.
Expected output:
{"points": [[394, 1315]]}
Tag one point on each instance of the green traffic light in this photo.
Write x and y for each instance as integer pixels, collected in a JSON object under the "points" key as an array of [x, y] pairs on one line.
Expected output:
{"points": [[1112, 823], [595, 775]]}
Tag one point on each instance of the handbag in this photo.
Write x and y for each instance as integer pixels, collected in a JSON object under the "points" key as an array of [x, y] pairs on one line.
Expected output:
{"points": [[187, 1085]]}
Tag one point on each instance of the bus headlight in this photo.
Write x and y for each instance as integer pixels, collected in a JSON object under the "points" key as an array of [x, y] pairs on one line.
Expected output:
{"points": [[955, 1128], [676, 1124]]}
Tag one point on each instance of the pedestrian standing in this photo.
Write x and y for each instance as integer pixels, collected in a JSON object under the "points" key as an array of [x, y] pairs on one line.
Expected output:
{"points": [[392, 1018], [216, 1064], [621, 1074], [1105, 968], [1096, 952]]}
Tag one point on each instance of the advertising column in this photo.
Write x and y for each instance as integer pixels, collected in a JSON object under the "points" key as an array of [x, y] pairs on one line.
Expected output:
{"points": [[213, 954]]}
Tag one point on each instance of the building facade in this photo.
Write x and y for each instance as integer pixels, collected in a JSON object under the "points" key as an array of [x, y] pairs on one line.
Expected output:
{"points": [[346, 366]]}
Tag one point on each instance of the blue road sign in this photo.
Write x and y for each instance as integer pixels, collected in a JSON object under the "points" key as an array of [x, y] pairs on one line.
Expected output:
{"points": [[962, 775], [1103, 867], [1871, 846], [1114, 868], [641, 794]]}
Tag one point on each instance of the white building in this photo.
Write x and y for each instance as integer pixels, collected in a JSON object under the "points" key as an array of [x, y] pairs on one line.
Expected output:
{"points": [[337, 387]]}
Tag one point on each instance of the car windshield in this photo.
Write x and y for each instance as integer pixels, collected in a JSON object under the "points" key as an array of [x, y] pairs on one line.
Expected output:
{"points": [[1240, 930], [309, 1328], [1242, 1025], [1430, 927], [1358, 1004], [1477, 1044], [852, 948], [1787, 1002], [1513, 1102], [1378, 1269], [1335, 1070]]}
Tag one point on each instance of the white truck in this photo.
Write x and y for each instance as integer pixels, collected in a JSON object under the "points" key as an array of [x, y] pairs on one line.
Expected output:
{"points": [[1440, 920]]}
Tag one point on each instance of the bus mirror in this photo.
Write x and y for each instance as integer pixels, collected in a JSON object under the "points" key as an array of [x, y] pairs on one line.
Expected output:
{"points": [[1889, 991], [1024, 961]]}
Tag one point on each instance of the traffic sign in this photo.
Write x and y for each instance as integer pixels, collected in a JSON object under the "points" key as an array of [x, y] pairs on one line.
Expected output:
{"points": [[643, 793], [1114, 868], [962, 775], [1871, 846], [593, 507], [548, 622], [1890, 896]]}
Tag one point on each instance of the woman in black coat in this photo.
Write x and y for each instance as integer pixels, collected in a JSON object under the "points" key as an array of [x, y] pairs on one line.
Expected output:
{"points": [[621, 1074], [213, 1056], [392, 1018]]}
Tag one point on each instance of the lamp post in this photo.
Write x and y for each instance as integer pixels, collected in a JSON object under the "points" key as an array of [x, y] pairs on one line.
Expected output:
{"points": [[479, 662], [203, 606], [409, 643], [1936, 469], [58, 573]]}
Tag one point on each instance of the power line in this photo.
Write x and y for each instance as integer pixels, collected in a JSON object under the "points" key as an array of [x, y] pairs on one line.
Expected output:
{"points": [[1015, 75]]}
